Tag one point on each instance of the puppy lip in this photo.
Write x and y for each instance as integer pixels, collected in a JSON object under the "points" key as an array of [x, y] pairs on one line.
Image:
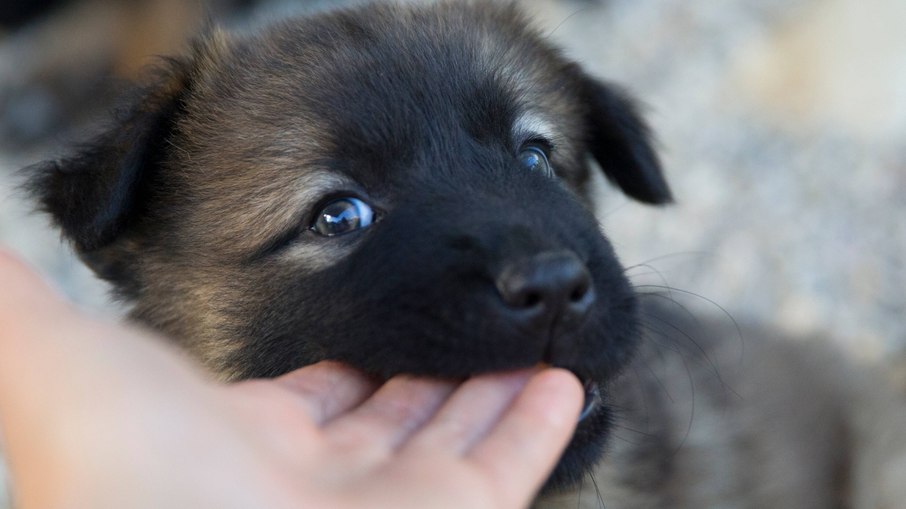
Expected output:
{"points": [[592, 399]]}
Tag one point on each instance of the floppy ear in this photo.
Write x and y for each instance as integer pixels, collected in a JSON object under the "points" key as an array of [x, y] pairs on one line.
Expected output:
{"points": [[621, 142], [93, 195]]}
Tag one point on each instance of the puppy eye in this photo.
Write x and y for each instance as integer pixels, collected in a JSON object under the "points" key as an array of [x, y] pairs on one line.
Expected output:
{"points": [[343, 215], [534, 158]]}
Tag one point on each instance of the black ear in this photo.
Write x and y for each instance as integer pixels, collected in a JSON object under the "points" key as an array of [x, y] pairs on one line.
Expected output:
{"points": [[621, 142], [93, 195]]}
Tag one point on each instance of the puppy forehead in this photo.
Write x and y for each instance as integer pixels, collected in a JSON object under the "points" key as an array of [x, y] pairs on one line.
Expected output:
{"points": [[385, 76], [359, 93]]}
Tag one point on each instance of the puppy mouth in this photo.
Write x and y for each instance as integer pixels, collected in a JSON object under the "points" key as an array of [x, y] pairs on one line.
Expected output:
{"points": [[592, 399]]}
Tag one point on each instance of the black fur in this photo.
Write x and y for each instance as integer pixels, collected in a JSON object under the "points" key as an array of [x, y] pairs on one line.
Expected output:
{"points": [[93, 195], [409, 106], [622, 143]]}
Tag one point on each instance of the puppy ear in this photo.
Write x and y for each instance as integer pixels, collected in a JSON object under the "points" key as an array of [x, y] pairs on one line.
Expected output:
{"points": [[621, 142], [93, 195]]}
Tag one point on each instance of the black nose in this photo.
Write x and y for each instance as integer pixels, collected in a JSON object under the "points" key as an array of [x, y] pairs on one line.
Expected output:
{"points": [[546, 288]]}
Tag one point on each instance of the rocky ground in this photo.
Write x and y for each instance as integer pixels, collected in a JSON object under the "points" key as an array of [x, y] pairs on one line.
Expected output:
{"points": [[782, 132], [781, 124]]}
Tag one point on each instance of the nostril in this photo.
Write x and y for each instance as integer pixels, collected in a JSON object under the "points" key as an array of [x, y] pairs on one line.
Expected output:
{"points": [[520, 298], [531, 300], [517, 293], [580, 290]]}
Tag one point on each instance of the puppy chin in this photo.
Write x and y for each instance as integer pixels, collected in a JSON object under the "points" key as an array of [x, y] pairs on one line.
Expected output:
{"points": [[584, 451]]}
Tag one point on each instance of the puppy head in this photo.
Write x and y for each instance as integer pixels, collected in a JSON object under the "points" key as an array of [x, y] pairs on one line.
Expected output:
{"points": [[399, 188]]}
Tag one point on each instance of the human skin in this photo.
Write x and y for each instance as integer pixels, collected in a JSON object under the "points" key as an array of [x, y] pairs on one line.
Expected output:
{"points": [[100, 415]]}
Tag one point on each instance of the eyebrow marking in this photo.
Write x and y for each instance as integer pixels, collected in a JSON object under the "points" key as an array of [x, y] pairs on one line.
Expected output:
{"points": [[530, 125], [317, 184]]}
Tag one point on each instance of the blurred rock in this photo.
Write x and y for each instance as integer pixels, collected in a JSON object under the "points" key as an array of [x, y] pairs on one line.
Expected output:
{"points": [[840, 62]]}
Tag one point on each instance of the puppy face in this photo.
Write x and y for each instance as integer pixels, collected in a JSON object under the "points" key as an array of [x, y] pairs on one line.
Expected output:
{"points": [[399, 188]]}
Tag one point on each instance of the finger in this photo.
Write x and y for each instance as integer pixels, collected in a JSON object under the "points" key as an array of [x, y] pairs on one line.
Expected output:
{"points": [[43, 337], [64, 378], [33, 320], [23, 292], [40, 330], [54, 359], [328, 389], [470, 412], [522, 449], [394, 412]]}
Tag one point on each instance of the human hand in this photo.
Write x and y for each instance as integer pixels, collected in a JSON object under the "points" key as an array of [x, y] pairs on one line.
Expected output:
{"points": [[100, 415]]}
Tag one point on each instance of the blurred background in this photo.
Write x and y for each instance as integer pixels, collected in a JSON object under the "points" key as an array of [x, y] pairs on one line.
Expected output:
{"points": [[782, 126]]}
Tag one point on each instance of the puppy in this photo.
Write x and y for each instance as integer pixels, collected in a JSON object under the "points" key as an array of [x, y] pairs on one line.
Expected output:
{"points": [[405, 189]]}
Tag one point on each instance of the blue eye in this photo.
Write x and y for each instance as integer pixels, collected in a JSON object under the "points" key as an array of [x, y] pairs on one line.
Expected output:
{"points": [[343, 215], [533, 158]]}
